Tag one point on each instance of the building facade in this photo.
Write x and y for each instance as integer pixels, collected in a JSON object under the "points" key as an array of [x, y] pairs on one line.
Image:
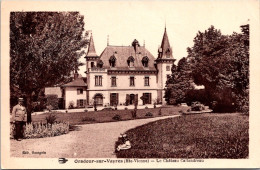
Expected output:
{"points": [[74, 93], [122, 75]]}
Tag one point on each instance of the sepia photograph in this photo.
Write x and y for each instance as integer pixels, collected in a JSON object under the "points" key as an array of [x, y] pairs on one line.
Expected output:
{"points": [[129, 83]]}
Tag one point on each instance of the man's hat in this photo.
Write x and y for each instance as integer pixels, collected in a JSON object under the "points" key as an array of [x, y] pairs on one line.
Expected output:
{"points": [[20, 99]]}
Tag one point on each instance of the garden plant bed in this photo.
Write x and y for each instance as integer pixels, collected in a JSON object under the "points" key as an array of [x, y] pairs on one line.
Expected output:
{"points": [[197, 112], [192, 136], [78, 118]]}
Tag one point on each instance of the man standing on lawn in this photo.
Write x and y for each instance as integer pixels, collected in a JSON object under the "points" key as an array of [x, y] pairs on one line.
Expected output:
{"points": [[19, 118]]}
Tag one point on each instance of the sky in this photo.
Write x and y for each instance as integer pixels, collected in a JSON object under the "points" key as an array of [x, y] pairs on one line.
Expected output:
{"points": [[124, 21]]}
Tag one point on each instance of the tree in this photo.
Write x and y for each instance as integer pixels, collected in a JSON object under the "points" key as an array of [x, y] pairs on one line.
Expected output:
{"points": [[179, 82], [45, 48], [221, 64]]}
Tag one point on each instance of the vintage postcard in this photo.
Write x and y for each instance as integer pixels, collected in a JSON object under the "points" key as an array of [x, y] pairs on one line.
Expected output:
{"points": [[130, 84]]}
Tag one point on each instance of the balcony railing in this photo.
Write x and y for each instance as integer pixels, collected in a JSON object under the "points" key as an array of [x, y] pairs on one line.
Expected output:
{"points": [[96, 69]]}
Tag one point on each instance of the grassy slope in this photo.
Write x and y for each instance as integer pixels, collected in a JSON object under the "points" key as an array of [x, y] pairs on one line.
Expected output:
{"points": [[77, 118], [192, 136]]}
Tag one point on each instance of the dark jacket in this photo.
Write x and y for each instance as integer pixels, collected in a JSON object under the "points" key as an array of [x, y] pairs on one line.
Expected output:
{"points": [[19, 113]]}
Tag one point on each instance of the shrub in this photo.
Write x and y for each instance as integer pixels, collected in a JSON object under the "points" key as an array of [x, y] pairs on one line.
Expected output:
{"points": [[52, 100], [126, 108], [71, 105], [149, 114], [86, 110], [146, 107], [51, 118], [88, 119], [49, 108], [39, 130], [117, 117]]}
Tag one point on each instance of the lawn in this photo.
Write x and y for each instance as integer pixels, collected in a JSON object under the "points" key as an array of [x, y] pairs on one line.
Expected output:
{"points": [[192, 136], [78, 118]]}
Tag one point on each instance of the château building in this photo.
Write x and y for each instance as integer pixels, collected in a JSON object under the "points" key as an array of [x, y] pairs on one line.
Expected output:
{"points": [[122, 74]]}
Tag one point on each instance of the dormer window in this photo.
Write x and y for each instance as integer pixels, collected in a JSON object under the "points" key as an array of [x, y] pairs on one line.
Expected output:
{"points": [[145, 61], [130, 61], [168, 53], [100, 64], [112, 61]]}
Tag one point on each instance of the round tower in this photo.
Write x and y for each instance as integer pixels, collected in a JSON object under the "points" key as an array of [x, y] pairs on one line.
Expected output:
{"points": [[164, 63]]}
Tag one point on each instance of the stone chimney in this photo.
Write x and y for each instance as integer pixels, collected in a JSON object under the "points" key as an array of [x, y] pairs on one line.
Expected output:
{"points": [[76, 75], [135, 44]]}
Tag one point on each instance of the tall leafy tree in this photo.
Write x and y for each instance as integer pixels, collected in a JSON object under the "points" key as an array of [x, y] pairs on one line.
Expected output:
{"points": [[179, 82], [221, 64], [45, 48]]}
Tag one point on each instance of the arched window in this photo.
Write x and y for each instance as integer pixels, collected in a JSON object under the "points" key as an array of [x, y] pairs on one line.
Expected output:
{"points": [[130, 61], [112, 61], [100, 64], [145, 61], [98, 98]]}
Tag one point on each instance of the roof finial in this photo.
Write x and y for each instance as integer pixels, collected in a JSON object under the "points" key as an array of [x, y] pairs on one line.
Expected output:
{"points": [[165, 25], [144, 43], [107, 40]]}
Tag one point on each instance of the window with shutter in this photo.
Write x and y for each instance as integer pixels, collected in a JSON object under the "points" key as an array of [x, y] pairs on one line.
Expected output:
{"points": [[79, 91], [127, 99], [113, 81], [117, 98], [81, 102], [78, 103], [98, 80], [146, 81], [136, 98], [150, 98], [132, 81]]}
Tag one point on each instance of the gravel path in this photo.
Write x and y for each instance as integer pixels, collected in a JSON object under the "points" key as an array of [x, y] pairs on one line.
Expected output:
{"points": [[90, 141]]}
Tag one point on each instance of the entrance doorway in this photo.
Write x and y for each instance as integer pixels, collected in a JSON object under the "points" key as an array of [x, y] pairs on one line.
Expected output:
{"points": [[113, 99], [99, 99], [132, 99], [147, 98]]}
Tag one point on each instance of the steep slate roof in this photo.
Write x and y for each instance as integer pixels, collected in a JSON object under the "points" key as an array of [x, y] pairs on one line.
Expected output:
{"points": [[122, 53], [79, 82], [165, 46], [91, 49]]}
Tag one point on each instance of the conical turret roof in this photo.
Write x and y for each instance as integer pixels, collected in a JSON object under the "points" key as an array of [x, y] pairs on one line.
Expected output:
{"points": [[91, 49], [165, 41], [165, 50]]}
